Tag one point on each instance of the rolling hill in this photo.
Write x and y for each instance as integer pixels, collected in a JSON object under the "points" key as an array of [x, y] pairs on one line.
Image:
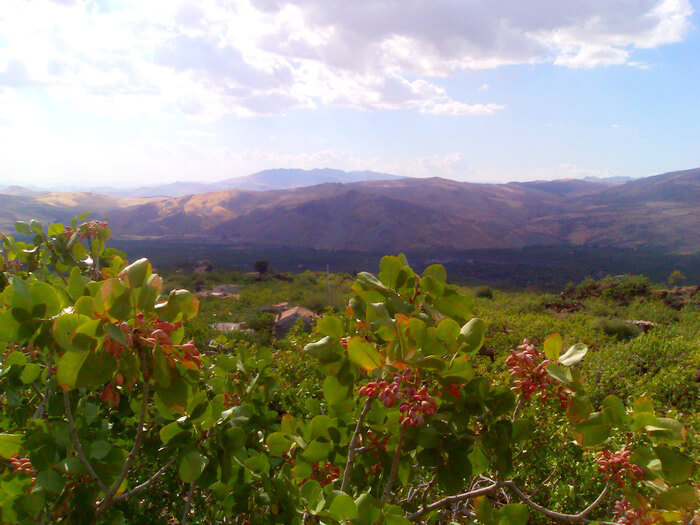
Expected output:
{"points": [[401, 213], [275, 179]]}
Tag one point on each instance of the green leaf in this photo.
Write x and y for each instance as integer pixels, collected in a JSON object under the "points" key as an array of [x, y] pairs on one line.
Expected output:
{"points": [[367, 509], [331, 326], [593, 431], [680, 497], [343, 507], [312, 496], [675, 467], [472, 335], [76, 284], [137, 272], [192, 465], [333, 391], [30, 373], [437, 272], [278, 443], [666, 430], [363, 353], [552, 347], [85, 369], [99, 448], [10, 445], [50, 481], [64, 329], [181, 305], [317, 451], [479, 461], [560, 373], [455, 305], [485, 511], [574, 354], [615, 409], [55, 230], [579, 409], [390, 267], [448, 331], [45, 300], [23, 228], [513, 514]]}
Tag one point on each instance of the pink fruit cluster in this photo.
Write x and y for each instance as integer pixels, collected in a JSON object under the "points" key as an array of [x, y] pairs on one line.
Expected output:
{"points": [[616, 467], [87, 230], [23, 465], [528, 367], [416, 406], [628, 515], [414, 403]]}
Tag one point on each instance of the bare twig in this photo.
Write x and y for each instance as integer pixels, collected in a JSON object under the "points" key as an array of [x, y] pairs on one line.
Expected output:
{"points": [[518, 408], [449, 500], [394, 468], [571, 518], [188, 504], [150, 481], [353, 444], [78, 447]]}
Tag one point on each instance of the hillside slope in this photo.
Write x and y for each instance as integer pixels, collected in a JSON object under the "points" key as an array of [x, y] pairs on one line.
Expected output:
{"points": [[403, 213]]}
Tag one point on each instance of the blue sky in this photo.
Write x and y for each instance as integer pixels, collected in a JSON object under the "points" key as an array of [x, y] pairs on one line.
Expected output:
{"points": [[126, 93]]}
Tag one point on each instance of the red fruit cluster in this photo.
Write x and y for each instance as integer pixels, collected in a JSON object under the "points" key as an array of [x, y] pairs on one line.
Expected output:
{"points": [[324, 474], [415, 403], [418, 405], [23, 465], [453, 390], [628, 515], [115, 348], [14, 267], [528, 367], [110, 395], [87, 230], [616, 467]]}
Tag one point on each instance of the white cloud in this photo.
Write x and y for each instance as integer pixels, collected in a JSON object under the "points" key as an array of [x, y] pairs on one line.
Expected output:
{"points": [[207, 58]]}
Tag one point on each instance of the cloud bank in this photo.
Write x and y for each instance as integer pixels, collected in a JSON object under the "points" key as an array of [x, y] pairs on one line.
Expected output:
{"points": [[208, 58]]}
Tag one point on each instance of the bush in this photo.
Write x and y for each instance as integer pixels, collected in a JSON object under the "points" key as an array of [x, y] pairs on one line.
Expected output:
{"points": [[484, 292], [617, 328]]}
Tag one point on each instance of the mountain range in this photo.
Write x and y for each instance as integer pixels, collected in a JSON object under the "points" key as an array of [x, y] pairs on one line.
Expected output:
{"points": [[367, 211]]}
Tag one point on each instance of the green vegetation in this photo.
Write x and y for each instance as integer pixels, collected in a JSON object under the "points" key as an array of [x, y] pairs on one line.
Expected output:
{"points": [[414, 400]]}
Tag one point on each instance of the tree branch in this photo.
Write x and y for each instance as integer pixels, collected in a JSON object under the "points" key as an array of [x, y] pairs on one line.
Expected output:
{"points": [[39, 412], [188, 503], [454, 499], [518, 408], [78, 446], [145, 391], [352, 449], [571, 518], [150, 481], [394, 468]]}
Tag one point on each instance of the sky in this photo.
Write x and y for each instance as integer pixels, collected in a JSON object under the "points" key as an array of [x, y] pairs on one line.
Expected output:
{"points": [[138, 92]]}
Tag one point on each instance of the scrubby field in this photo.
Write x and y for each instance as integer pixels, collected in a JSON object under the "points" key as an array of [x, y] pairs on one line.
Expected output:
{"points": [[410, 399]]}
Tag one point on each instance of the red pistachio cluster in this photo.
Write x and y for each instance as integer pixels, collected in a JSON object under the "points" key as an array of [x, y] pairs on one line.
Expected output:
{"points": [[87, 230], [529, 369], [23, 465], [110, 395], [453, 390], [414, 403], [628, 515], [616, 467], [324, 474], [416, 406]]}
